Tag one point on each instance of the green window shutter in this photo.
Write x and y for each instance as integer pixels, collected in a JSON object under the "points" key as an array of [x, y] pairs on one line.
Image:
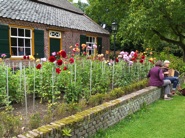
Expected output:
{"points": [[99, 45], [39, 43], [82, 41], [4, 40]]}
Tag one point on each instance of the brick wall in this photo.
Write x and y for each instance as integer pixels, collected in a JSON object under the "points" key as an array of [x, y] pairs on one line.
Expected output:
{"points": [[88, 122], [69, 36]]}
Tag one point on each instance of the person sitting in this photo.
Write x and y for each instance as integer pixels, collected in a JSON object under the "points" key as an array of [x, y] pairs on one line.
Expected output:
{"points": [[21, 51], [156, 78], [174, 80]]}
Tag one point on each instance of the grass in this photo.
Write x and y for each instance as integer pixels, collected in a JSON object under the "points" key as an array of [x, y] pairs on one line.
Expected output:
{"points": [[162, 119]]}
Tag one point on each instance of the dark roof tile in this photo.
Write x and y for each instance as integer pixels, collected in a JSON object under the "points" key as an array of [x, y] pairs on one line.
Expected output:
{"points": [[28, 10]]}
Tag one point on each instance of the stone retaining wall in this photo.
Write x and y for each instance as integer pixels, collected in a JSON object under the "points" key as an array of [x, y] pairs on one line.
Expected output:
{"points": [[87, 123]]}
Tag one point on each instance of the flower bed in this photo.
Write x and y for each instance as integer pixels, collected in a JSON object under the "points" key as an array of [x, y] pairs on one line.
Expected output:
{"points": [[78, 82]]}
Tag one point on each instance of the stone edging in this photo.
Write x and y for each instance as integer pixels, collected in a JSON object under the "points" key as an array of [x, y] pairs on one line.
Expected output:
{"points": [[88, 122]]}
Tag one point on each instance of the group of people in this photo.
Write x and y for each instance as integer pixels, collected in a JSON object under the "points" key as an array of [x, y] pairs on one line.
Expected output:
{"points": [[160, 76]]}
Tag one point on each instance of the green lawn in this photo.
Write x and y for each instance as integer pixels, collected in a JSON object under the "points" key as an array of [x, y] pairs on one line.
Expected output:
{"points": [[162, 119]]}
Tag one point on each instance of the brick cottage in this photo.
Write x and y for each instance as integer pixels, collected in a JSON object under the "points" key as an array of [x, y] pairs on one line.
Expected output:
{"points": [[40, 27]]}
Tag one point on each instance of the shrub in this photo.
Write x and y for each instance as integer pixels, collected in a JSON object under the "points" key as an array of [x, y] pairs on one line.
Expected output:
{"points": [[96, 99], [116, 93], [9, 124], [34, 121]]}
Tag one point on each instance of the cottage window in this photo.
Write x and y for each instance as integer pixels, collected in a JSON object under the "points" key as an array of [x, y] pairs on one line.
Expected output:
{"points": [[90, 41], [21, 41], [54, 34]]}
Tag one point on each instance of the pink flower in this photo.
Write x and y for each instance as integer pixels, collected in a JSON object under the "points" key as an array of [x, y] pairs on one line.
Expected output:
{"points": [[54, 54], [72, 55], [94, 46], [132, 53], [76, 44], [122, 53], [130, 63], [89, 47], [74, 49], [84, 53], [71, 60], [3, 55]]}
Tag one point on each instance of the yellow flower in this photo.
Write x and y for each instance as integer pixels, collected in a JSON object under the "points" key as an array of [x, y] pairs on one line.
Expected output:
{"points": [[38, 60], [151, 59], [69, 72], [151, 53], [147, 49], [32, 58], [71, 47]]}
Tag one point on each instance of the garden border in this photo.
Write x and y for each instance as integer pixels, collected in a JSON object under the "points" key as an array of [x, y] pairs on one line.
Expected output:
{"points": [[88, 122]]}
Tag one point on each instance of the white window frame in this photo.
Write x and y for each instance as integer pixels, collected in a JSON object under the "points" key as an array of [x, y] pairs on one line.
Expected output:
{"points": [[22, 37], [90, 43]]}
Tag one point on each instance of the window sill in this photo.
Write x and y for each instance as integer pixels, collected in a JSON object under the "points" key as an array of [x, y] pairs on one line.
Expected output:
{"points": [[17, 58]]}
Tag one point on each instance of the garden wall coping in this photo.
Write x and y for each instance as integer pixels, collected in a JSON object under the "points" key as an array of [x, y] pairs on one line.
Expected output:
{"points": [[88, 122]]}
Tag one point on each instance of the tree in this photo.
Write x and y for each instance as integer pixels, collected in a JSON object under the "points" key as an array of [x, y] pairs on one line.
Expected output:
{"points": [[81, 5], [150, 22]]}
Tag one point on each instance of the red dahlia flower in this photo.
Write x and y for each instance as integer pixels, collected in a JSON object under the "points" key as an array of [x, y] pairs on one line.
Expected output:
{"points": [[141, 61], [65, 68], [117, 60], [58, 70], [71, 60], [52, 58], [27, 57], [142, 57], [63, 54], [24, 57], [59, 62], [39, 66], [135, 55]]}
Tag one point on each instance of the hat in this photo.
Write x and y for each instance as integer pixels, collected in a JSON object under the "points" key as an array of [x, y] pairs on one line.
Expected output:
{"points": [[166, 62]]}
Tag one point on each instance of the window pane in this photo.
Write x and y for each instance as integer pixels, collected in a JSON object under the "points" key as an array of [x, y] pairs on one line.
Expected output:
{"points": [[90, 39], [20, 42], [14, 41], [93, 40], [21, 51], [27, 42], [21, 32], [87, 39], [27, 33], [14, 51], [13, 31], [28, 51]]}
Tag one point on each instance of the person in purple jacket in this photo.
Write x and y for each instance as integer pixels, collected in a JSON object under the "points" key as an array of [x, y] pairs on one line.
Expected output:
{"points": [[157, 79]]}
